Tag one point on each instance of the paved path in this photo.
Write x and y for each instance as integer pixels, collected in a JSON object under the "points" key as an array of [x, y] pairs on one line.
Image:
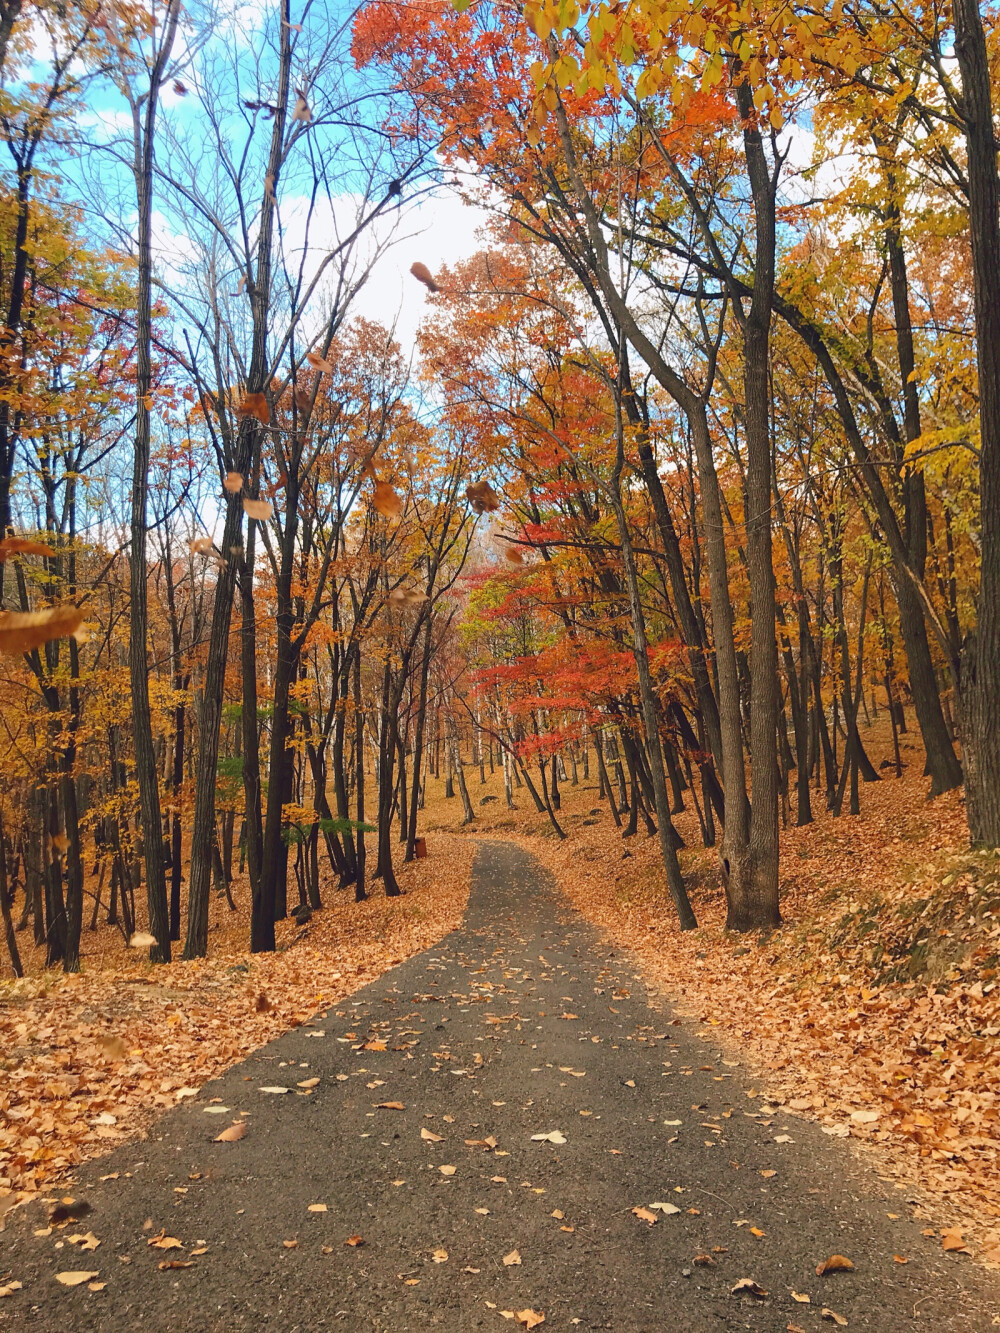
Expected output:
{"points": [[523, 1022]]}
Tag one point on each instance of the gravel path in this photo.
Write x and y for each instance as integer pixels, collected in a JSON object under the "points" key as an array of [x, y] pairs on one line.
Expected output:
{"points": [[522, 1023]]}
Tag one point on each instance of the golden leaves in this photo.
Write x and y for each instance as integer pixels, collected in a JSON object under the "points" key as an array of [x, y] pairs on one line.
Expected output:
{"points": [[20, 631], [233, 482], [423, 274], [142, 939], [76, 1279]]}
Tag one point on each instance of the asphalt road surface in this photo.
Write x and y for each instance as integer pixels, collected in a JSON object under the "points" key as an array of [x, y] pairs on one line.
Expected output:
{"points": [[523, 1023]]}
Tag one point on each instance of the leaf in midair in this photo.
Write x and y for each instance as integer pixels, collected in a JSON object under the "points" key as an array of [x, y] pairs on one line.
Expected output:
{"points": [[269, 186], [482, 497], [318, 363], [423, 274], [201, 545], [142, 940], [255, 405], [514, 555], [233, 482], [386, 501], [20, 631], [22, 546], [837, 1263], [303, 399], [233, 1134], [261, 510], [302, 111], [76, 1279]]}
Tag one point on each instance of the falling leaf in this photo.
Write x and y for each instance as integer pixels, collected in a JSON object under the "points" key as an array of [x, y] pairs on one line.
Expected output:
{"points": [[303, 399], [833, 1317], [354, 1241], [554, 1136], [261, 510], [837, 1263], [645, 1214], [22, 546], [482, 497], [512, 1260], [255, 405], [233, 482], [233, 1133], [179, 88], [165, 1264], [390, 1106], [440, 1256], [319, 363], [951, 1240], [386, 501], [514, 554], [747, 1286], [71, 1279], [200, 545], [269, 185], [430, 1136], [20, 631], [447, 1170], [301, 111], [423, 274], [801, 1297], [142, 940]]}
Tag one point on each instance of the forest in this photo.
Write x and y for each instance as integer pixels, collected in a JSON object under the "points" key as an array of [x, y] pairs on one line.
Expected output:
{"points": [[664, 538]]}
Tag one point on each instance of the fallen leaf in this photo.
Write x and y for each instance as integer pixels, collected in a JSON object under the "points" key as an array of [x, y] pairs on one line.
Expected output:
{"points": [[837, 1263], [175, 1263], [645, 1214], [530, 1318], [290, 1244], [317, 1208], [276, 1090], [951, 1240], [665, 1208], [233, 1133], [833, 1317], [801, 1297], [447, 1170], [440, 1256], [308, 1083], [554, 1136], [9, 1288], [86, 1241], [164, 1242], [865, 1117], [71, 1279], [898, 1258], [512, 1259], [388, 1106], [747, 1286], [355, 1241]]}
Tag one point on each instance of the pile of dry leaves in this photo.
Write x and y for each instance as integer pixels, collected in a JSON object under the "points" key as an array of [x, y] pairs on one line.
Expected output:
{"points": [[88, 1059]]}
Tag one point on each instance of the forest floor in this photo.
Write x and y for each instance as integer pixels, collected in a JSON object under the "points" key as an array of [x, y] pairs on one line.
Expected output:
{"points": [[507, 1131], [874, 1010], [87, 1061]]}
